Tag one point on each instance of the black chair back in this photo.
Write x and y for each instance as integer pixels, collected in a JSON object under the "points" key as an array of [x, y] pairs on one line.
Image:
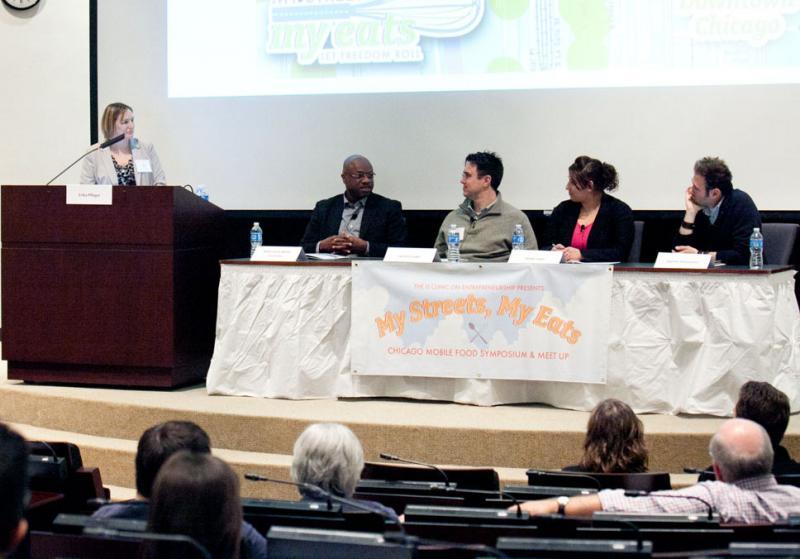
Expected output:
{"points": [[465, 478], [647, 481], [779, 239], [635, 253]]}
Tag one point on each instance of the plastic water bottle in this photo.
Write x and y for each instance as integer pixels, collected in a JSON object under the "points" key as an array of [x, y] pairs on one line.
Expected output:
{"points": [[756, 249], [255, 238], [518, 238], [201, 191], [453, 244]]}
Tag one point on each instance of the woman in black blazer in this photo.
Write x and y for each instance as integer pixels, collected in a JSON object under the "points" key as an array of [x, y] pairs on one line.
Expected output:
{"points": [[591, 226]]}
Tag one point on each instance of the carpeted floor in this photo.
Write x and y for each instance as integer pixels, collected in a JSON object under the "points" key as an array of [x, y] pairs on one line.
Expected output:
{"points": [[257, 434]]}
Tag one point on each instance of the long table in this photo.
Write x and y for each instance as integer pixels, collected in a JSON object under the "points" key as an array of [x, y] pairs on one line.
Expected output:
{"points": [[680, 341]]}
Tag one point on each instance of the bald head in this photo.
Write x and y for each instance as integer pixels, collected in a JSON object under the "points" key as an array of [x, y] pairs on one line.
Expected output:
{"points": [[358, 177], [741, 449], [353, 159]]}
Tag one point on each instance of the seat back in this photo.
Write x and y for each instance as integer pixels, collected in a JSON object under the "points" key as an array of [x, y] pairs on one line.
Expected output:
{"points": [[647, 481], [465, 478], [635, 253], [779, 239]]}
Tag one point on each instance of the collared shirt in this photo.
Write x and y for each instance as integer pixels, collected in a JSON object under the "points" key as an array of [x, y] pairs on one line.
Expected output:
{"points": [[352, 214], [713, 213], [469, 209], [748, 501]]}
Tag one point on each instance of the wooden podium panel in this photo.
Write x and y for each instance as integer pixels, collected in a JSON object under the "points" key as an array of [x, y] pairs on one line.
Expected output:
{"points": [[116, 295]]}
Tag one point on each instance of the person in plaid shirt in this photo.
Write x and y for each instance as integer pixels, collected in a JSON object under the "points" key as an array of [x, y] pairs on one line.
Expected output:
{"points": [[746, 491]]}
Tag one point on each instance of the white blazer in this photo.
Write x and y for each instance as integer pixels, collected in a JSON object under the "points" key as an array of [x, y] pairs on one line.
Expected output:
{"points": [[98, 167]]}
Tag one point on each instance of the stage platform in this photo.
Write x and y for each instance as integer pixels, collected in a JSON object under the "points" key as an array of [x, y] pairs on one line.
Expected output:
{"points": [[256, 435]]}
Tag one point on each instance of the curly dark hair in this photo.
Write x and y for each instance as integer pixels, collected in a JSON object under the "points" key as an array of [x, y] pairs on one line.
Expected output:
{"points": [[716, 173], [614, 440]]}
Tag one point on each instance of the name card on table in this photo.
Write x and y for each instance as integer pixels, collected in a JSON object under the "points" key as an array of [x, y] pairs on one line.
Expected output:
{"points": [[278, 254], [400, 254], [89, 194], [682, 261], [523, 256]]}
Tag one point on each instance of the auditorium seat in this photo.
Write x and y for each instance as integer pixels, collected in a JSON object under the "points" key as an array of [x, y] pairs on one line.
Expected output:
{"points": [[789, 479], [262, 514], [82, 537], [57, 468], [465, 478], [544, 548], [292, 543], [648, 481]]}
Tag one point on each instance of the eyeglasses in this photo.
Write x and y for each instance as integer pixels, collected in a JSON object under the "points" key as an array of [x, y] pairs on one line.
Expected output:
{"points": [[359, 176]]}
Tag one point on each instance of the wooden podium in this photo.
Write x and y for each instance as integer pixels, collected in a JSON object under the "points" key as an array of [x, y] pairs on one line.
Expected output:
{"points": [[122, 294]]}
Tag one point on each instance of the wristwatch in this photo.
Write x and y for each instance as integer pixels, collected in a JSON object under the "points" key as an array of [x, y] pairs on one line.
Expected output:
{"points": [[562, 504]]}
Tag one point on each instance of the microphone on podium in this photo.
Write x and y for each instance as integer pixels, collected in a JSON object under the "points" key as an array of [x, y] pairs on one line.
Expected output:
{"points": [[94, 148], [394, 458]]}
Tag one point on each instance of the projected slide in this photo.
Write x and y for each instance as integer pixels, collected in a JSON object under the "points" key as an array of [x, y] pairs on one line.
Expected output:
{"points": [[284, 47]]}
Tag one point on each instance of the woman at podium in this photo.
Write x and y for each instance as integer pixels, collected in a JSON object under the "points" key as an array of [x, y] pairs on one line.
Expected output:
{"points": [[592, 226], [126, 161]]}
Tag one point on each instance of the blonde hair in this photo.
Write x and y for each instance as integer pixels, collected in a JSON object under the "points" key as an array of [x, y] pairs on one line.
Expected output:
{"points": [[111, 115]]}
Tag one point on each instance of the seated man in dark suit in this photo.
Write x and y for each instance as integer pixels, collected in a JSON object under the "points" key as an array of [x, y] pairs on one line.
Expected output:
{"points": [[719, 219], [358, 222]]}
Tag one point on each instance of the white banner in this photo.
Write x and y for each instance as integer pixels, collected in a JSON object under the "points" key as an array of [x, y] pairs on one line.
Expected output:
{"points": [[491, 321]]}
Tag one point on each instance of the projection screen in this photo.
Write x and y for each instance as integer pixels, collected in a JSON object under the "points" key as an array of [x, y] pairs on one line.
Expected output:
{"points": [[261, 100]]}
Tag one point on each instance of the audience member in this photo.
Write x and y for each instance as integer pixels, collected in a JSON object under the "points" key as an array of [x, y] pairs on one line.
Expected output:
{"points": [[719, 219], [197, 495], [592, 226], [485, 222], [156, 445], [13, 489], [329, 456], [769, 407], [746, 491], [614, 441], [359, 222]]}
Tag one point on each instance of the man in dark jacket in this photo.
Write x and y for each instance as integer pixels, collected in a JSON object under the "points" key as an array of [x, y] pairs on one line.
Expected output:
{"points": [[358, 222], [719, 219]]}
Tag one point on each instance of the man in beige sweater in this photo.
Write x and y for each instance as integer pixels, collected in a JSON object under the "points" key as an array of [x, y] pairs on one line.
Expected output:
{"points": [[484, 221]]}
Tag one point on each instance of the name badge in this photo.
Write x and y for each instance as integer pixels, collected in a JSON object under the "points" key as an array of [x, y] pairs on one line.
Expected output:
{"points": [[398, 254], [89, 194], [278, 254], [523, 256], [142, 166], [682, 261]]}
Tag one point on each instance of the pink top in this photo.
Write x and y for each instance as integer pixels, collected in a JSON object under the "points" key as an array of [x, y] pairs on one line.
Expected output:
{"points": [[580, 235]]}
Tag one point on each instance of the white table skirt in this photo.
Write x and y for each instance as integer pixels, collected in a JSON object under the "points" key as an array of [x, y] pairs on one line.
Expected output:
{"points": [[679, 343]]}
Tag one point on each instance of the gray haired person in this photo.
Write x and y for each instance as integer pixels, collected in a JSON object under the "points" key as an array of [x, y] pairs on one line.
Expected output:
{"points": [[330, 456]]}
